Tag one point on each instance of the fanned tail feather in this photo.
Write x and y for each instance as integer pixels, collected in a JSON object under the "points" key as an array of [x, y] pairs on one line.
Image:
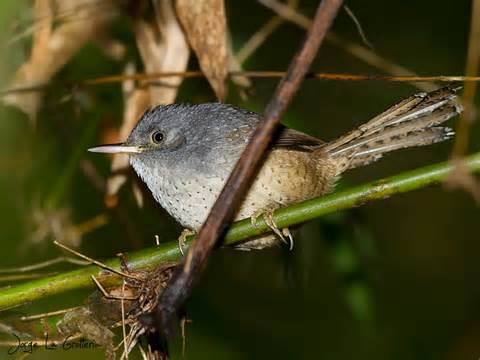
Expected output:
{"points": [[412, 122]]}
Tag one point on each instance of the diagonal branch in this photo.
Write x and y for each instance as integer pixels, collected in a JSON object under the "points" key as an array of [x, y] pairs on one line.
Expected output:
{"points": [[17, 295], [181, 283]]}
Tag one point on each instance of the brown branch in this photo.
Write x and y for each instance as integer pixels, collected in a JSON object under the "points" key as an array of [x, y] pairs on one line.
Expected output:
{"points": [[277, 74], [223, 210], [254, 74]]}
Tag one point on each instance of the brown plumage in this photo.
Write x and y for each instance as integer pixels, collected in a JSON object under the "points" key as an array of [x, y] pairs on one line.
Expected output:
{"points": [[301, 167]]}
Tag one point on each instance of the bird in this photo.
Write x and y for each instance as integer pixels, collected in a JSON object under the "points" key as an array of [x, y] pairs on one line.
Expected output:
{"points": [[185, 152]]}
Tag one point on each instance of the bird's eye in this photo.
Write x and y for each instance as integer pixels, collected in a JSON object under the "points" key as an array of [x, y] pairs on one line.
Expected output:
{"points": [[157, 137]]}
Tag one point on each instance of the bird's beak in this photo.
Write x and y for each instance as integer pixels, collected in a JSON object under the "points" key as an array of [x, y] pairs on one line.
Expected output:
{"points": [[116, 149]]}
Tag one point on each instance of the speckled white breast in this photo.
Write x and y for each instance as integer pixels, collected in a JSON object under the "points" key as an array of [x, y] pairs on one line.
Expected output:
{"points": [[187, 199], [287, 176]]}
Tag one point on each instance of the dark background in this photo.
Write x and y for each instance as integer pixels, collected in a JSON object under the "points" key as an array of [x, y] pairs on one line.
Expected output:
{"points": [[394, 279]]}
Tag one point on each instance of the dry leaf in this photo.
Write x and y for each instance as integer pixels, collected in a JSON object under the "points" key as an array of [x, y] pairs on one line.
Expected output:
{"points": [[167, 53], [205, 25], [53, 47]]}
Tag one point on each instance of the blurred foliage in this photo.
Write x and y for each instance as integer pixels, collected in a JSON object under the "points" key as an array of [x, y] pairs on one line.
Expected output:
{"points": [[393, 279]]}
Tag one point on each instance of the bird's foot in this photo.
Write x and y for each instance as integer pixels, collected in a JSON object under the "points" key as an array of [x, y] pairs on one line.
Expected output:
{"points": [[182, 239], [283, 234]]}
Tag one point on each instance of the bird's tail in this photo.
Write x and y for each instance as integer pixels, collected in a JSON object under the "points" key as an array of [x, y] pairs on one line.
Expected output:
{"points": [[412, 122]]}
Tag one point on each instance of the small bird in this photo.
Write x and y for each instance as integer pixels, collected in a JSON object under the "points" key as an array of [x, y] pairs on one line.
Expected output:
{"points": [[185, 153]]}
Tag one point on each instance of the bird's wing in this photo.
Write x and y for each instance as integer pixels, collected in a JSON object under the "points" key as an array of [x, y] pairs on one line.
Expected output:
{"points": [[289, 138]]}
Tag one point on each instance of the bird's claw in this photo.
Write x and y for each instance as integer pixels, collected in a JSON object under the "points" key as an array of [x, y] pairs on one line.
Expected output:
{"points": [[284, 234], [182, 239]]}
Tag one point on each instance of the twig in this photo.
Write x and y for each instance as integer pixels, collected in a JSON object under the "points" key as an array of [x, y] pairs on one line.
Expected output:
{"points": [[460, 177], [180, 285], [260, 74], [263, 74], [93, 261], [471, 68], [360, 52], [109, 296], [43, 264], [46, 314], [257, 39], [359, 26], [124, 331], [150, 257], [279, 74]]}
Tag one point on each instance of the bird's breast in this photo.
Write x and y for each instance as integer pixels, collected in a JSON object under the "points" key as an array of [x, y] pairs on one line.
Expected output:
{"points": [[286, 177], [186, 197]]}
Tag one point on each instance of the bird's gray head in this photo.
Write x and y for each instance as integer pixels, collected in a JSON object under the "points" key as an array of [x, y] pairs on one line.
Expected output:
{"points": [[198, 138]]}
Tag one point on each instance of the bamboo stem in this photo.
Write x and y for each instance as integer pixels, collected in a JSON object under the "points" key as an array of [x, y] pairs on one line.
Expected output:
{"points": [[149, 258]]}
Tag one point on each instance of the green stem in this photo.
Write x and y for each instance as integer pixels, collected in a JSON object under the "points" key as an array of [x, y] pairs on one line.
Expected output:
{"points": [[241, 230]]}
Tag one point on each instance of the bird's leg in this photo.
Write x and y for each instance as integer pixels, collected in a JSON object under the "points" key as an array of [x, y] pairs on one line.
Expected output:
{"points": [[284, 234], [182, 239]]}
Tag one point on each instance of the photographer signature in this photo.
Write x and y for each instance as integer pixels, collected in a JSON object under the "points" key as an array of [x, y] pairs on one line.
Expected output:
{"points": [[29, 346]]}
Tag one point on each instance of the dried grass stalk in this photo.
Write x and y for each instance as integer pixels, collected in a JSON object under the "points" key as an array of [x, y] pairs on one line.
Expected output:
{"points": [[53, 47]]}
